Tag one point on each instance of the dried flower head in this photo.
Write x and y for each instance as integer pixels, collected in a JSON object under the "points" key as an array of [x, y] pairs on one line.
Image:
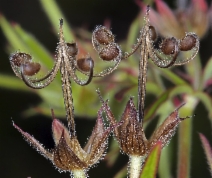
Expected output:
{"points": [[65, 61], [68, 155], [130, 134]]}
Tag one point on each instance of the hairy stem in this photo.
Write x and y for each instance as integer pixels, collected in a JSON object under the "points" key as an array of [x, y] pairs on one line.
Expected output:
{"points": [[135, 166], [142, 78], [66, 84], [79, 173]]}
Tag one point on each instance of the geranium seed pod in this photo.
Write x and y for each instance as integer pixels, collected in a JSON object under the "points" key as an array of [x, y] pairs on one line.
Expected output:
{"points": [[85, 64], [31, 68], [110, 52], [168, 45], [19, 58], [103, 35], [187, 43], [72, 49], [153, 33]]}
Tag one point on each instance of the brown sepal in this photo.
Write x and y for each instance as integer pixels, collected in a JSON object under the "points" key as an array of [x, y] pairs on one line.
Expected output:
{"points": [[130, 134], [65, 158], [167, 129]]}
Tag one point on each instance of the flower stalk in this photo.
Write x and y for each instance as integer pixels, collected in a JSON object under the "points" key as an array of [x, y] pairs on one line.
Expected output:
{"points": [[67, 154], [135, 164], [79, 174], [130, 134]]}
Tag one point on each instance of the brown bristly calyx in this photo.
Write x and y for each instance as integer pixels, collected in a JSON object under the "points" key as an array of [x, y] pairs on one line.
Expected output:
{"points": [[130, 134], [67, 154]]}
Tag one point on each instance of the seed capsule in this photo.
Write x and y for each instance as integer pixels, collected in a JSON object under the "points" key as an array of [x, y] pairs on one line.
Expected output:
{"points": [[72, 49], [103, 35], [187, 43], [85, 64], [19, 58], [110, 52], [153, 33], [168, 45], [31, 68]]}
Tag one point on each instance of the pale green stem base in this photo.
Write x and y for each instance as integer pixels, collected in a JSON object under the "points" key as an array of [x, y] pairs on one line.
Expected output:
{"points": [[135, 166], [79, 174]]}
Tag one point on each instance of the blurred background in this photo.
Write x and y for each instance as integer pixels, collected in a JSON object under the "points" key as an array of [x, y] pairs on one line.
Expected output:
{"points": [[27, 109]]}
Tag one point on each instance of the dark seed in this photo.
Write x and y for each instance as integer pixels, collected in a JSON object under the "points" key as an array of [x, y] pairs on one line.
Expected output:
{"points": [[110, 52], [85, 64], [187, 43], [103, 35], [31, 68], [153, 33], [168, 45], [72, 49], [19, 58]]}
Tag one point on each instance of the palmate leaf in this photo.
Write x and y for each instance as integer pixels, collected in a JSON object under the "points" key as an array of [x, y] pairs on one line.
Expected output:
{"points": [[151, 165]]}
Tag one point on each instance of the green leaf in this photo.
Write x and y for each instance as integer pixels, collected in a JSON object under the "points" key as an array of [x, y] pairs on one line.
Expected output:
{"points": [[121, 173], [11, 36], [153, 88], [181, 89], [207, 73], [167, 95], [12, 83], [151, 165], [45, 109], [153, 108], [113, 153], [54, 14], [184, 135], [172, 77], [166, 162], [133, 32], [37, 49], [206, 100]]}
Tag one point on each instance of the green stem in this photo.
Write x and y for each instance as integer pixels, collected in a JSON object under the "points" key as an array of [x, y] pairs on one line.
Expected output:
{"points": [[79, 173], [194, 69], [184, 142], [135, 165], [165, 164], [157, 78]]}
